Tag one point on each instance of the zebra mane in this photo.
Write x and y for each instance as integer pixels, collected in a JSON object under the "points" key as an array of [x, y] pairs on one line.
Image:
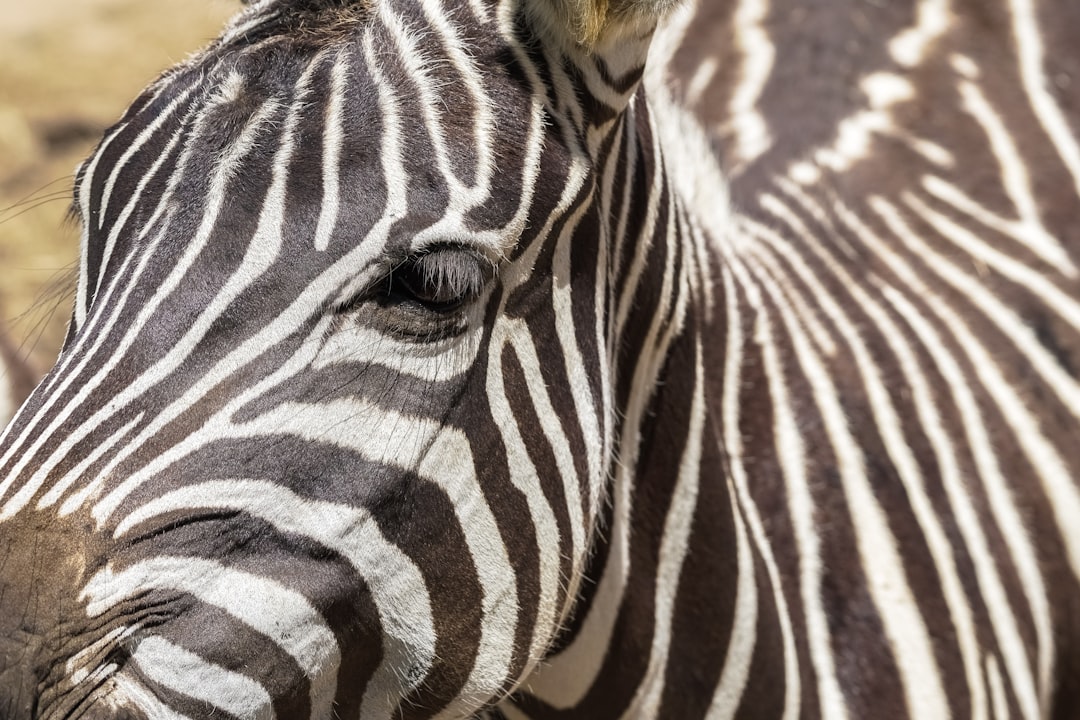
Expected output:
{"points": [[306, 20]]}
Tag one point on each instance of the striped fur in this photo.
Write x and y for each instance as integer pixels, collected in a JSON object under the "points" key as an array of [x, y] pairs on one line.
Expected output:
{"points": [[425, 364]]}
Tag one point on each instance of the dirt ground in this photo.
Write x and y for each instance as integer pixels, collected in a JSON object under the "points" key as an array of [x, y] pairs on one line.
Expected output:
{"points": [[68, 68]]}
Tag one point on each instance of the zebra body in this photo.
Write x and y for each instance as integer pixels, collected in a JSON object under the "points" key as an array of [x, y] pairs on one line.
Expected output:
{"points": [[440, 359]]}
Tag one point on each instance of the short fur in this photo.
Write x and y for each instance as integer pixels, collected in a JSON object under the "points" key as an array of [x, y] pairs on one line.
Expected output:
{"points": [[594, 22]]}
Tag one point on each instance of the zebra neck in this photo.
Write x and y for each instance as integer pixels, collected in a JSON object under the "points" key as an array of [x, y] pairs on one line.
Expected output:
{"points": [[665, 333]]}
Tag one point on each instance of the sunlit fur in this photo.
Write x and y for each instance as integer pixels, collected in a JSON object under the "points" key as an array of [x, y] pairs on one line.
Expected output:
{"points": [[504, 359]]}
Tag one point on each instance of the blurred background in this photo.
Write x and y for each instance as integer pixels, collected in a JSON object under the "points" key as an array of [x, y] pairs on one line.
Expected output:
{"points": [[68, 68]]}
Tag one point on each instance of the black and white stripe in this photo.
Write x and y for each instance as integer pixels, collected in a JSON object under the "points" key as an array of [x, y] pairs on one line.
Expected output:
{"points": [[426, 363]]}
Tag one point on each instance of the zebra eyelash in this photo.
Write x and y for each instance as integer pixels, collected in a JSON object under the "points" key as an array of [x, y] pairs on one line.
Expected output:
{"points": [[442, 277], [439, 280]]}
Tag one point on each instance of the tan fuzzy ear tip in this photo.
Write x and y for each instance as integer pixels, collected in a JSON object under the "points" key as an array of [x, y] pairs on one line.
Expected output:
{"points": [[585, 19], [589, 21]]}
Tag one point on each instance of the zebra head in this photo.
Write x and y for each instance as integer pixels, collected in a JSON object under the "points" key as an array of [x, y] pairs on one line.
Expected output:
{"points": [[366, 292]]}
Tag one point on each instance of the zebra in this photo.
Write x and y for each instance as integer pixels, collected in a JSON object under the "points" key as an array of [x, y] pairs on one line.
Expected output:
{"points": [[567, 359]]}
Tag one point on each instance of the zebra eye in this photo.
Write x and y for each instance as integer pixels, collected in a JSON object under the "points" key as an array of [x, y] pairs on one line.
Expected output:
{"points": [[441, 279]]}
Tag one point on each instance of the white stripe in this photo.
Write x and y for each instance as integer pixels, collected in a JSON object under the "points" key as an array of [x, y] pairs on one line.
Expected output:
{"points": [[333, 135], [188, 674], [1046, 461], [1007, 516], [621, 237], [450, 463], [1004, 511], [123, 399], [82, 291], [585, 403], [740, 649], [911, 47], [1014, 177], [733, 444], [1031, 56], [127, 692], [674, 545], [262, 252], [808, 316], [397, 587], [997, 689], [752, 136], [520, 338], [485, 144], [791, 453], [91, 663], [129, 208], [391, 150], [641, 241], [90, 338], [440, 455], [1002, 505], [284, 616], [136, 145], [246, 21], [700, 81], [1001, 314], [882, 563], [434, 362], [700, 183], [417, 63], [888, 423], [527, 478], [1036, 239], [64, 483], [855, 133], [314, 295], [565, 680], [607, 268]]}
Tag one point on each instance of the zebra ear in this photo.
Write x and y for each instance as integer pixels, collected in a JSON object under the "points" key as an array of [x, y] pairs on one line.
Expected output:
{"points": [[590, 23]]}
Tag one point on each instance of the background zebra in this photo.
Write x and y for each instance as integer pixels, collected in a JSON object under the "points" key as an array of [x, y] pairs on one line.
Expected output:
{"points": [[419, 367]]}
